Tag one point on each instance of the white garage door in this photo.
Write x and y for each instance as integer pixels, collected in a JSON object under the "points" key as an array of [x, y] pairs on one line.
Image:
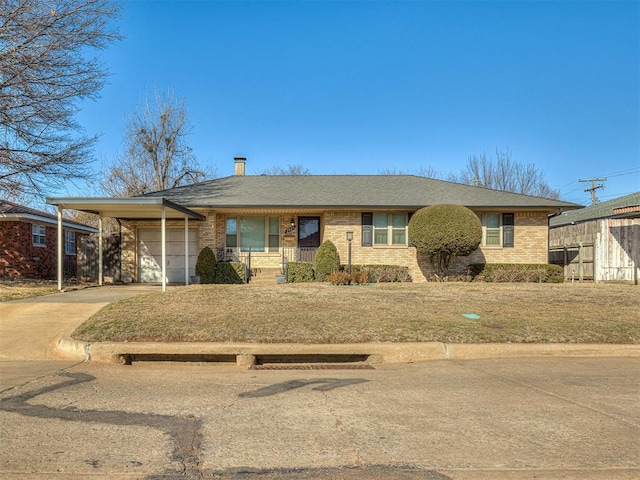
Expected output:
{"points": [[150, 254]]}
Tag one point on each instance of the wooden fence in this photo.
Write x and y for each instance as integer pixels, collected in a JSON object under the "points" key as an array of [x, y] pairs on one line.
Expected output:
{"points": [[88, 258], [600, 250], [577, 260]]}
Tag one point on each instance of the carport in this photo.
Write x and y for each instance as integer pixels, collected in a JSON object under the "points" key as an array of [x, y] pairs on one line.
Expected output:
{"points": [[142, 208]]}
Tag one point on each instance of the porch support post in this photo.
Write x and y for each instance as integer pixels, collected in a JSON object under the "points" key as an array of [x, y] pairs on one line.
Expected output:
{"points": [[59, 248], [164, 248], [100, 254], [186, 250]]}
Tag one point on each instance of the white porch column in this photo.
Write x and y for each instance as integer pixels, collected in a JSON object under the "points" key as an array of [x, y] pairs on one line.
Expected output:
{"points": [[164, 248], [186, 250], [59, 248], [100, 269]]}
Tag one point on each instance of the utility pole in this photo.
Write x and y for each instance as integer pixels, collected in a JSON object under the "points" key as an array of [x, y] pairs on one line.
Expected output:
{"points": [[594, 187]]}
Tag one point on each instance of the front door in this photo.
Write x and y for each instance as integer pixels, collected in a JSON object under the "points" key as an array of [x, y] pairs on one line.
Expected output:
{"points": [[308, 232]]}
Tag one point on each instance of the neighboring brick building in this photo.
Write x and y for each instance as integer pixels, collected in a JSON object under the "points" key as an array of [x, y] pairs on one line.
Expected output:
{"points": [[28, 240], [289, 216]]}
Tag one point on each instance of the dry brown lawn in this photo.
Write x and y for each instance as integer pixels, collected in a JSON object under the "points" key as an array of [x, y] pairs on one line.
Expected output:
{"points": [[321, 313], [18, 290]]}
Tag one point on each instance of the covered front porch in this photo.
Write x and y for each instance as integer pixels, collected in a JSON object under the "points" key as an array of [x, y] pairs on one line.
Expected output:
{"points": [[267, 239]]}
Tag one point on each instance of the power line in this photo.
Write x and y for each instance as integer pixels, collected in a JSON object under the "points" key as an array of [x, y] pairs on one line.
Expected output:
{"points": [[594, 187], [623, 173]]}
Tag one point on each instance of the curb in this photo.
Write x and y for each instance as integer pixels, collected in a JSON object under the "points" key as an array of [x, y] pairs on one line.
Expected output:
{"points": [[244, 354]]}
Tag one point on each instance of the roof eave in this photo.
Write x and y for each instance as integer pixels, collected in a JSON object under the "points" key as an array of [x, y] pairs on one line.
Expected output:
{"points": [[97, 205], [549, 208], [68, 224]]}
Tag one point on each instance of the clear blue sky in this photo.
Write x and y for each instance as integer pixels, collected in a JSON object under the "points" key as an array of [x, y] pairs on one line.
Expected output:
{"points": [[358, 87]]}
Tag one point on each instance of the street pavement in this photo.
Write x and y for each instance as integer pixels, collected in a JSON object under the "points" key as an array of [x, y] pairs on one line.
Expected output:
{"points": [[457, 420], [528, 418]]}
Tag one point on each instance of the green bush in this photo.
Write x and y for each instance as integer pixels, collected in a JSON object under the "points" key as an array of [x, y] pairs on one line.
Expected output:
{"points": [[383, 273], [231, 273], [206, 265], [298, 272], [516, 272], [442, 232], [327, 260]]}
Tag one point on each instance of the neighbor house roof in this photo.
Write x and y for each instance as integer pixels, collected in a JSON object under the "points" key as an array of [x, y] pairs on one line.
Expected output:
{"points": [[13, 211], [346, 191], [599, 210]]}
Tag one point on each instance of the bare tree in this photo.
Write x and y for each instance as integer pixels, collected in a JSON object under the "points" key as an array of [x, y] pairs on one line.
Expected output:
{"points": [[429, 172], [505, 174], [392, 171], [46, 68], [157, 155], [288, 170], [423, 171]]}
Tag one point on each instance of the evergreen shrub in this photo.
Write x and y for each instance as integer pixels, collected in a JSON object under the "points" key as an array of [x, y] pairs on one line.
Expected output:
{"points": [[298, 272], [206, 265], [441, 232], [516, 272], [327, 260], [231, 273]]}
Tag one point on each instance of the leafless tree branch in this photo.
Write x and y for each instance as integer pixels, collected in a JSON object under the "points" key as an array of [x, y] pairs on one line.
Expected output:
{"points": [[45, 70], [157, 155]]}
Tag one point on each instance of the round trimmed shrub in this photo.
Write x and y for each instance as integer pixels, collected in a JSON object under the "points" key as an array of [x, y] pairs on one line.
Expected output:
{"points": [[327, 260], [206, 265], [444, 231]]}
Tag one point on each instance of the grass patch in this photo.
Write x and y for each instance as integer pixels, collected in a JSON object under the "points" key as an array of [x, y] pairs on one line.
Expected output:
{"points": [[320, 313], [18, 290]]}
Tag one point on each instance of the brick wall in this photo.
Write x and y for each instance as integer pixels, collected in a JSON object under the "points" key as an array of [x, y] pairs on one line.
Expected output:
{"points": [[19, 258], [336, 225], [209, 229], [530, 246]]}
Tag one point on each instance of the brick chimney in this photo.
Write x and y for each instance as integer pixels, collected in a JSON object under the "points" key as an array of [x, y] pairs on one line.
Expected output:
{"points": [[239, 161]]}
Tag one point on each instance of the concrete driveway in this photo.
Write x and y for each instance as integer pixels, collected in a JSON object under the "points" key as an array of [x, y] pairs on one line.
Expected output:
{"points": [[30, 329]]}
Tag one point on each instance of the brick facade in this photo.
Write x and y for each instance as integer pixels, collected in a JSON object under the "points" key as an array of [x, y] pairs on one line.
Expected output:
{"points": [[20, 258], [530, 244]]}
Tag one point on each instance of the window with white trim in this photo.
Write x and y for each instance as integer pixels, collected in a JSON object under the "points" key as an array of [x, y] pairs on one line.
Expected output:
{"points": [[253, 233], [39, 235], [497, 229], [69, 242], [384, 228]]}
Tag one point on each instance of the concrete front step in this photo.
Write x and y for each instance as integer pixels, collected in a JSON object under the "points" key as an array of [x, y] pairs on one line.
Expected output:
{"points": [[264, 276]]}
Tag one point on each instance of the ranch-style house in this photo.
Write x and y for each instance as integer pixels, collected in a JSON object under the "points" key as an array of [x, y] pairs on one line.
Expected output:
{"points": [[286, 218]]}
